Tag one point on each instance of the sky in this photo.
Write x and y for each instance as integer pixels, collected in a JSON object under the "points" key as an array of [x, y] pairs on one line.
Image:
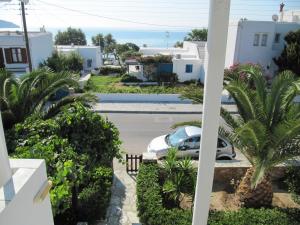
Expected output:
{"points": [[134, 14]]}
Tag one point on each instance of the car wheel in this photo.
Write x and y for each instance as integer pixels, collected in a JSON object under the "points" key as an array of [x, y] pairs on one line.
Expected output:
{"points": [[224, 158]]}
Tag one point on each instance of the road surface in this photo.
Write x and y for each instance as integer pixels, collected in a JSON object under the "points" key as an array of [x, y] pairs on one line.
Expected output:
{"points": [[137, 130]]}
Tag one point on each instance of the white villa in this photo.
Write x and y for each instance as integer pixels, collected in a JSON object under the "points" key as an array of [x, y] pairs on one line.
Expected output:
{"points": [[257, 42], [187, 61], [247, 42], [92, 55], [13, 55]]}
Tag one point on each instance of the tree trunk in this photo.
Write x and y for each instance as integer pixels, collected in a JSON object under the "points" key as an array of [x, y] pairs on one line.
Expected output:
{"points": [[261, 196]]}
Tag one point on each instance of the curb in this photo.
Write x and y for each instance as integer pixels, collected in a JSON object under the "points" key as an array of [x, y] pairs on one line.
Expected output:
{"points": [[154, 112]]}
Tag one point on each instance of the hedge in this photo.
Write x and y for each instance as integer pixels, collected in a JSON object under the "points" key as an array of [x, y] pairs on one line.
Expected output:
{"points": [[106, 70], [126, 78], [152, 212]]}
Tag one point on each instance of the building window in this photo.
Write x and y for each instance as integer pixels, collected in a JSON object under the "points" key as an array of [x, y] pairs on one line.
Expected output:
{"points": [[256, 39], [264, 40], [277, 38], [189, 68], [89, 63], [15, 55]]}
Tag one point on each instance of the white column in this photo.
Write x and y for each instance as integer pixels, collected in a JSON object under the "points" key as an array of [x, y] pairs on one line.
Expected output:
{"points": [[214, 72], [5, 170]]}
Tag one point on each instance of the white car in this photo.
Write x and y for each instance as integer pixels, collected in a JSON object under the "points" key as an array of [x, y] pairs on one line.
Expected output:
{"points": [[187, 141]]}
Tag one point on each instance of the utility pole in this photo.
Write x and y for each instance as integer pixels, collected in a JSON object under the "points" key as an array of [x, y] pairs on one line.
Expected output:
{"points": [[26, 33]]}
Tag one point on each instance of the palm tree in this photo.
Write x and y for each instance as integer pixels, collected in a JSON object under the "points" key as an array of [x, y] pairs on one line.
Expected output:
{"points": [[197, 35], [30, 94], [266, 130]]}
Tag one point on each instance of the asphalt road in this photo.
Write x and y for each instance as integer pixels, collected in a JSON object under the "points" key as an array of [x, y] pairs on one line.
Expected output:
{"points": [[137, 130]]}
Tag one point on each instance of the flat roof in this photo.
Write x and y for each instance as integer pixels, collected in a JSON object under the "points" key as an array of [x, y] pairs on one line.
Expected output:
{"points": [[21, 33], [75, 46]]}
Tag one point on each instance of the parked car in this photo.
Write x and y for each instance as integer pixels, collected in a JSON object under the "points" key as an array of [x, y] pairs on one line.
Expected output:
{"points": [[187, 141]]}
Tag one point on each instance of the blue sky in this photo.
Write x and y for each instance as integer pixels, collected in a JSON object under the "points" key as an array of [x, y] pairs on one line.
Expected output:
{"points": [[134, 14]]}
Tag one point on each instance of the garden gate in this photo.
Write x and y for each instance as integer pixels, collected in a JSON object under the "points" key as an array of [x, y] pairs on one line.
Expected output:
{"points": [[133, 163]]}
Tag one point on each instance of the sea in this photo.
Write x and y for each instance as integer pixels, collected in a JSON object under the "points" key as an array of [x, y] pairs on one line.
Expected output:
{"points": [[159, 39]]}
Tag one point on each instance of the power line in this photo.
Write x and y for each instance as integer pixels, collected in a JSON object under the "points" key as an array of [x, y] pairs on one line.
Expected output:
{"points": [[112, 18]]}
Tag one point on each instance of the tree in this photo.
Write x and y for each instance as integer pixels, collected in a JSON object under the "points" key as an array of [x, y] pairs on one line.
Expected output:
{"points": [[98, 40], [290, 56], [178, 44], [30, 94], [70, 36], [197, 35], [64, 62], [109, 44], [266, 130], [126, 49]]}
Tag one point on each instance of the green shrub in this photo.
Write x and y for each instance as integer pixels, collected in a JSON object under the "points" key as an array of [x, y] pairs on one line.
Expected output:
{"points": [[106, 70], [152, 212], [128, 78], [78, 146], [254, 217], [292, 179], [59, 62], [90, 133], [167, 77]]}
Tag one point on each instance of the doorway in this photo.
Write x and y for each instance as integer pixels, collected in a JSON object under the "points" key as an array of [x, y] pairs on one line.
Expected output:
{"points": [[2, 64]]}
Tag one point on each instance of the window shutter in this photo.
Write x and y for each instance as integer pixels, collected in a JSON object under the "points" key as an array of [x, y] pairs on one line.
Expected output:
{"points": [[24, 55], [8, 55]]}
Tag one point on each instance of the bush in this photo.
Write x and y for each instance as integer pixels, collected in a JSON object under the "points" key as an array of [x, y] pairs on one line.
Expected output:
{"points": [[150, 202], [128, 78], [292, 179], [106, 70], [152, 212], [254, 217], [167, 77], [59, 62], [78, 146]]}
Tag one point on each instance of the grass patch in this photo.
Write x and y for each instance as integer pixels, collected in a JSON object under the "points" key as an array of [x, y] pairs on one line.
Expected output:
{"points": [[111, 84]]}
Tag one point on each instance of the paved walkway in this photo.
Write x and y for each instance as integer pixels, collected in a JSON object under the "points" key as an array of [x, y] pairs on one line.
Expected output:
{"points": [[122, 209]]}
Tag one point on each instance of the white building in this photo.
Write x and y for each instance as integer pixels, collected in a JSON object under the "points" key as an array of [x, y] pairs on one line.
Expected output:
{"points": [[187, 61], [13, 55], [257, 42], [92, 55], [291, 16]]}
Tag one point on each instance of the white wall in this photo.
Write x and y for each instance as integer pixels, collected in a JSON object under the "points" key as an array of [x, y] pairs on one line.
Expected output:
{"points": [[291, 16], [41, 48], [16, 197], [245, 52], [180, 65], [86, 52]]}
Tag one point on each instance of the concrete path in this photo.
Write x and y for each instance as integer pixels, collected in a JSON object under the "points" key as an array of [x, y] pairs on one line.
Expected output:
{"points": [[122, 209], [154, 108]]}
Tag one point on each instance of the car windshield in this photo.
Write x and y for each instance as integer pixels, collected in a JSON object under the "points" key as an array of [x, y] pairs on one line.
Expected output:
{"points": [[175, 138]]}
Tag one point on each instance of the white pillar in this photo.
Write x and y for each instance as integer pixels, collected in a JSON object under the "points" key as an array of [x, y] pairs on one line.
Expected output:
{"points": [[214, 72], [5, 170]]}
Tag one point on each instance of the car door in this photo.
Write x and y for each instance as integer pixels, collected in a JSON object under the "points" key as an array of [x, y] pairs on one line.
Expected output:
{"points": [[222, 145], [190, 147]]}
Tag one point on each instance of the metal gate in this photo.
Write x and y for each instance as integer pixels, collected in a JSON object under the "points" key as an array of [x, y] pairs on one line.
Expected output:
{"points": [[133, 163]]}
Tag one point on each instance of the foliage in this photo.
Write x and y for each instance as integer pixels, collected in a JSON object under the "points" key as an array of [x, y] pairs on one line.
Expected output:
{"points": [[100, 140], [121, 48], [267, 129], [194, 93], [292, 179], [30, 94], [98, 40], [106, 70], [167, 77], [178, 44], [197, 35], [254, 217], [155, 59], [111, 84], [290, 56], [78, 147], [150, 202], [130, 55], [196, 123], [64, 62], [152, 211], [128, 78], [109, 44], [70, 36], [180, 177]]}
